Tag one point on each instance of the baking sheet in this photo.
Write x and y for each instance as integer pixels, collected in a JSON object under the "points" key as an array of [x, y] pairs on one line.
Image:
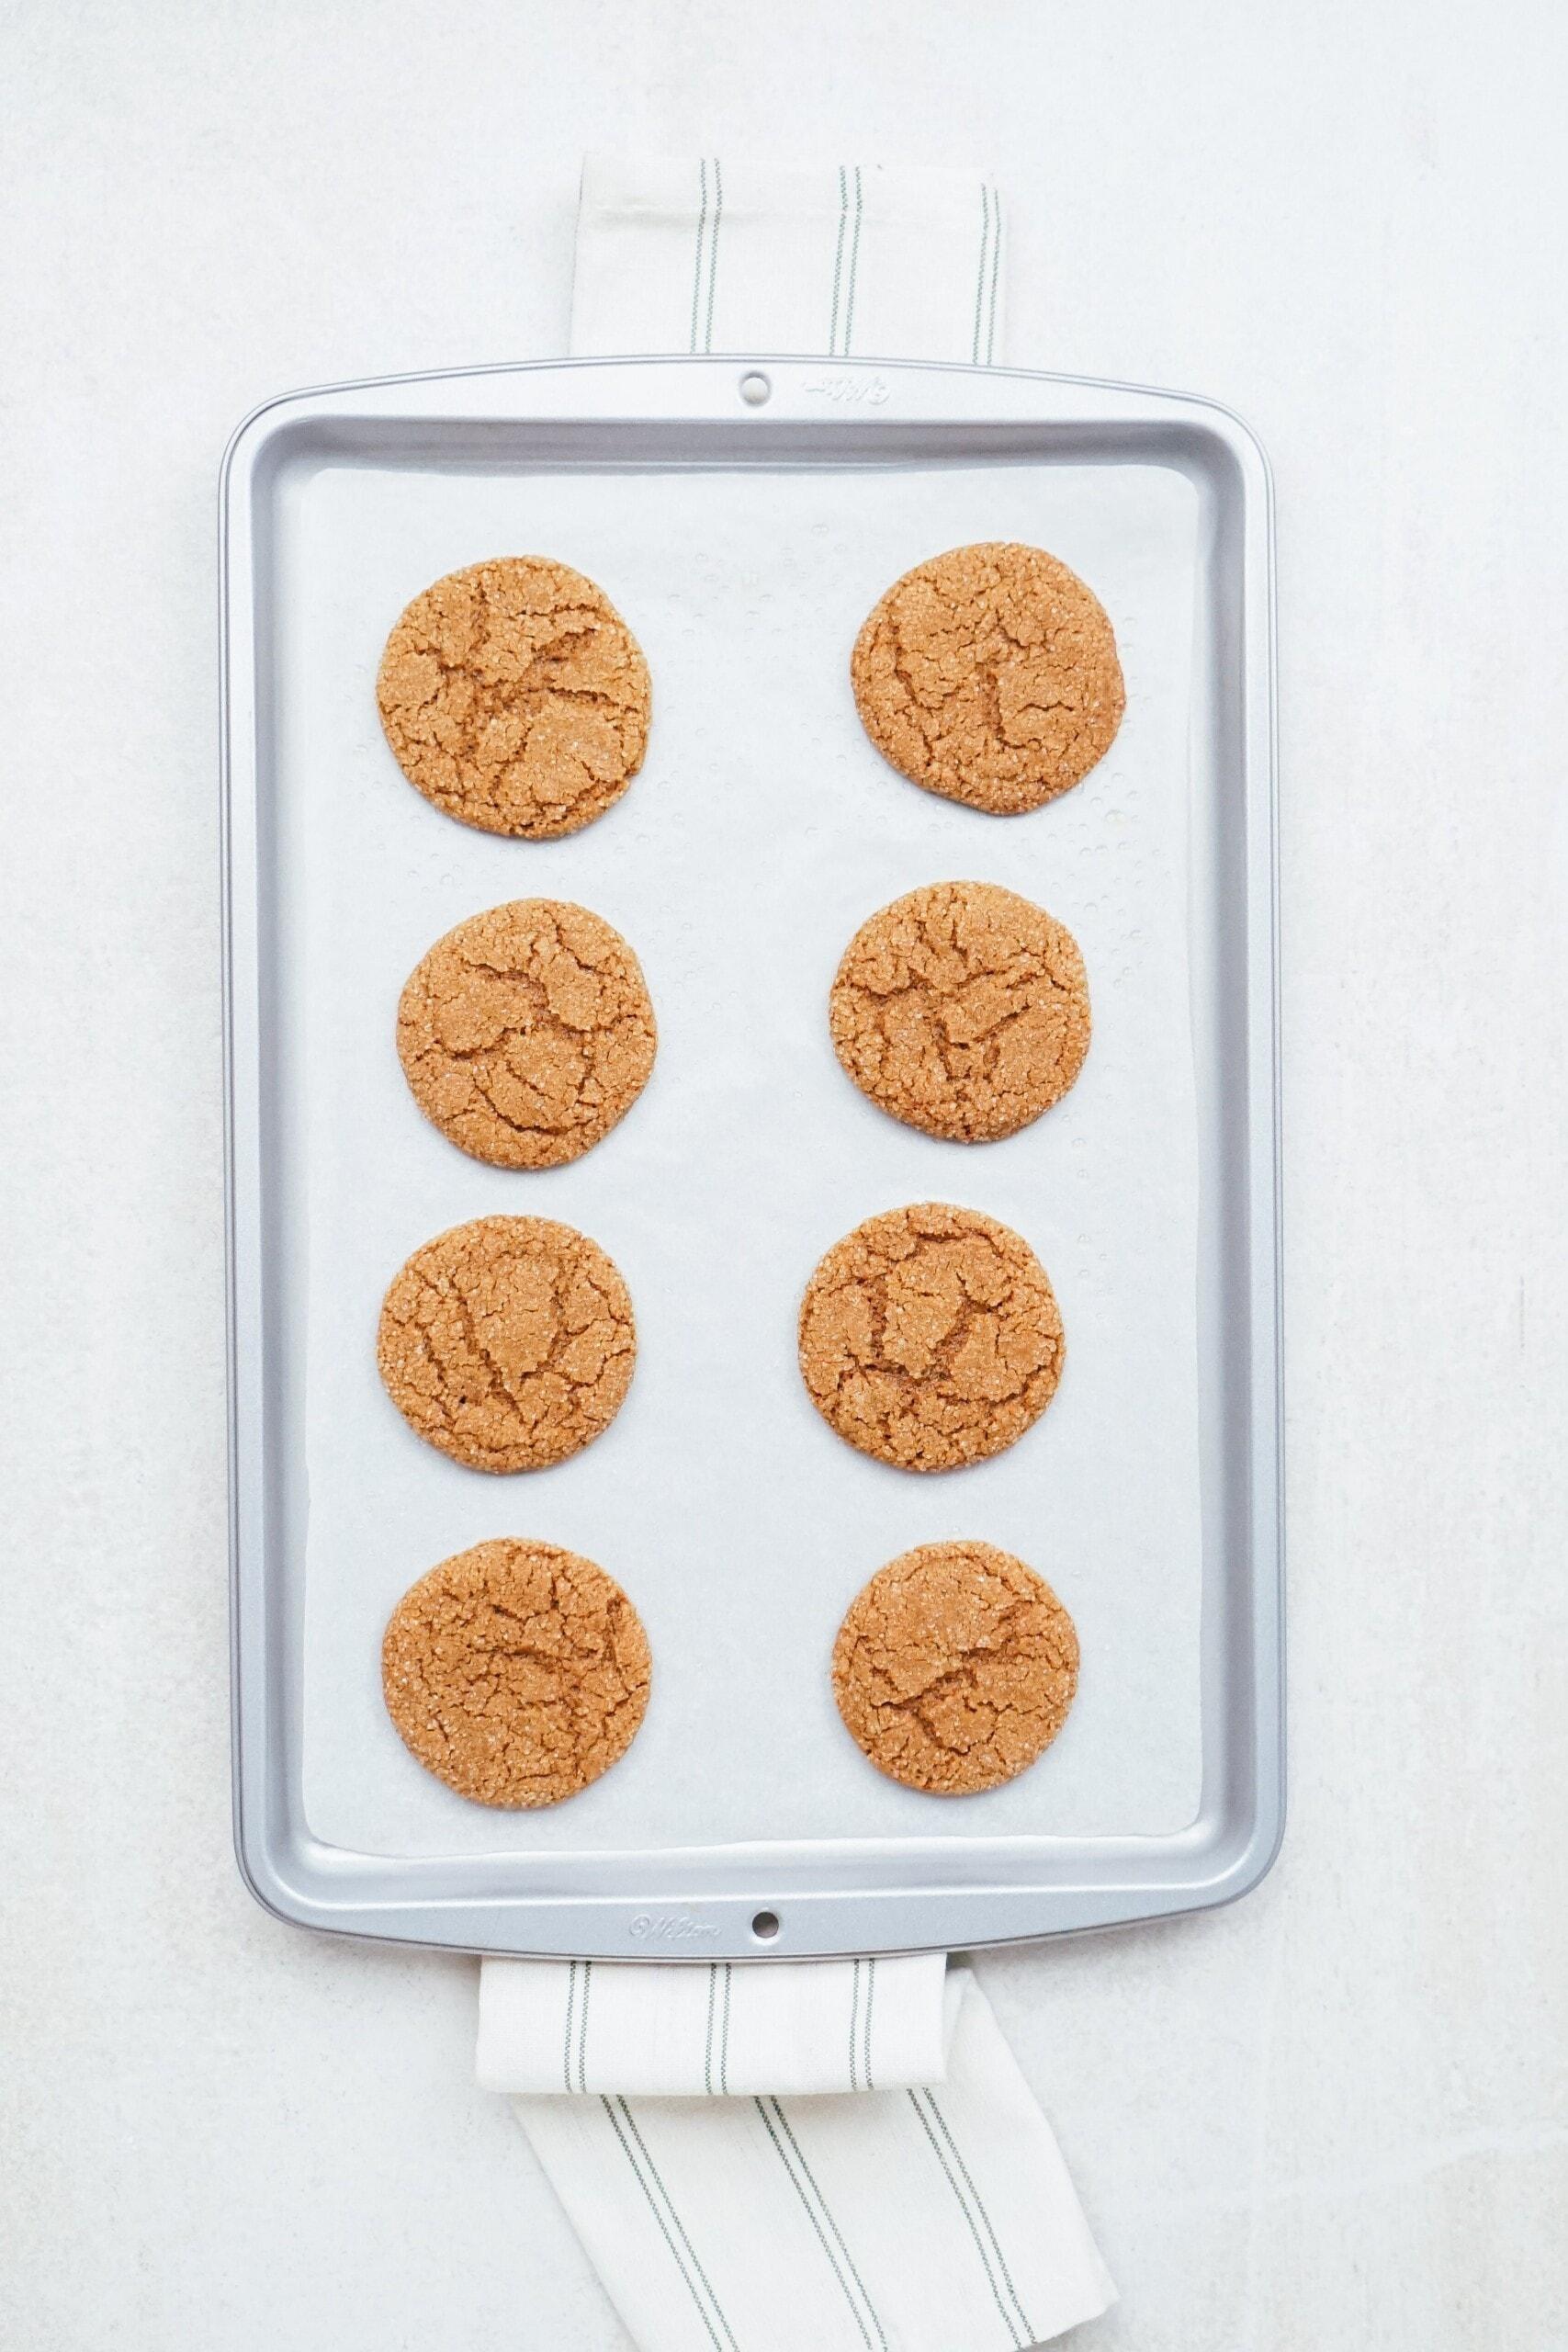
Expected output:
{"points": [[762, 831]]}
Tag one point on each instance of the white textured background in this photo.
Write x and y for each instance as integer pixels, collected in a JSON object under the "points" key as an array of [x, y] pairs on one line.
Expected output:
{"points": [[1332, 2118]]}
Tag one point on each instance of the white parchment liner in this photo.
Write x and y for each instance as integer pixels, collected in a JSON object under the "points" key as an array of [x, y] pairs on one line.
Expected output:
{"points": [[762, 831]]}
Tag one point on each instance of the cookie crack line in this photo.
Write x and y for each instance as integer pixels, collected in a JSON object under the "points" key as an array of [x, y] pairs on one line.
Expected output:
{"points": [[440, 1405], [570, 622], [951, 1055], [546, 940], [959, 1677], [943, 1353], [528, 701], [522, 1126]]}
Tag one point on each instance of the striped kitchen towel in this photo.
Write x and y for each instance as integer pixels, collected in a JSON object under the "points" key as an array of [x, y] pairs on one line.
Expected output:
{"points": [[933, 2217], [847, 260], [675, 2029]]}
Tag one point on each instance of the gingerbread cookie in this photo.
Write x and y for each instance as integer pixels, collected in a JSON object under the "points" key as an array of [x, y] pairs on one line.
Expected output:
{"points": [[516, 1672], [955, 1667], [929, 1337], [527, 1033], [962, 1008], [989, 676], [516, 697], [508, 1342]]}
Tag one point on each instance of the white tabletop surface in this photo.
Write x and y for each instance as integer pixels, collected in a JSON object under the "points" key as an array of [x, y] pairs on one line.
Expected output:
{"points": [[1331, 2117]]}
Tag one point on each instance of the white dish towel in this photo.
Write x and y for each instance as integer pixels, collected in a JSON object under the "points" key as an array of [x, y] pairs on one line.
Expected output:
{"points": [[838, 2155], [815, 2208], [844, 260]]}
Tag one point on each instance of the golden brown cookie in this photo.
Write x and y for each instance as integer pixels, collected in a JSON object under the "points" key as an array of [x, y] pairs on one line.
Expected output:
{"points": [[508, 1342], [989, 674], [929, 1337], [955, 1667], [516, 1672], [516, 697], [527, 1033], [962, 1008]]}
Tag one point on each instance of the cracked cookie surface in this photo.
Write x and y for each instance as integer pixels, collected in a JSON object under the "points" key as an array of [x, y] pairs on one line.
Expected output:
{"points": [[990, 676], [929, 1337], [516, 1672], [963, 1009], [516, 697], [955, 1667], [527, 1033], [508, 1343]]}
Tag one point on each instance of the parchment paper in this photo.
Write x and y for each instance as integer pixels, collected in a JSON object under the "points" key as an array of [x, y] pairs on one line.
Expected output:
{"points": [[762, 831]]}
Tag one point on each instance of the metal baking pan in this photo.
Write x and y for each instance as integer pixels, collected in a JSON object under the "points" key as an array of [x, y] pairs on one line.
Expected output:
{"points": [[744, 514]]}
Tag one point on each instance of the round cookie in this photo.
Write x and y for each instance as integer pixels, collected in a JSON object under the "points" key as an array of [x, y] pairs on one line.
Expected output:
{"points": [[962, 1008], [955, 1667], [508, 1342], [929, 1337], [989, 676], [516, 697], [516, 1672], [527, 1033]]}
